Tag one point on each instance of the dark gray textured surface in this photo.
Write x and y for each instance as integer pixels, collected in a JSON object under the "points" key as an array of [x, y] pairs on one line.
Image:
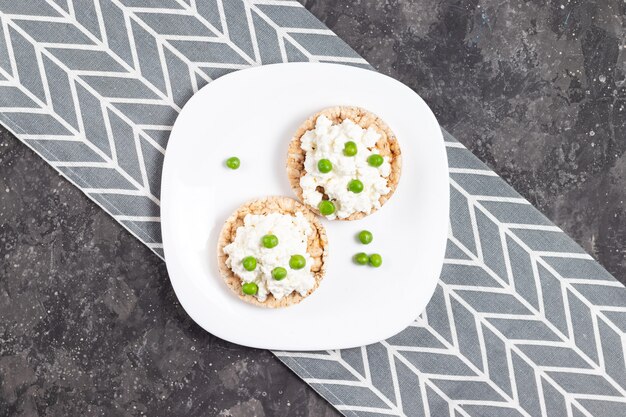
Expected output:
{"points": [[90, 325], [534, 88]]}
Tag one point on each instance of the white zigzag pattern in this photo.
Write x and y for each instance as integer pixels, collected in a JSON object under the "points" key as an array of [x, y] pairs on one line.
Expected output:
{"points": [[508, 404], [138, 186]]}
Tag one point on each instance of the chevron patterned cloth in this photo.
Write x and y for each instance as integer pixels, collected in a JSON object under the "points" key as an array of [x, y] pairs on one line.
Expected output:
{"points": [[523, 322]]}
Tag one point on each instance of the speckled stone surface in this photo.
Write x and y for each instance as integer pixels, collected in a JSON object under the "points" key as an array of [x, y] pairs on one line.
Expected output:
{"points": [[89, 323], [536, 89]]}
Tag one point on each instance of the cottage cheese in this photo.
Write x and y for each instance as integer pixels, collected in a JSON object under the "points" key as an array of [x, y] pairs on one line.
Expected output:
{"points": [[327, 141], [292, 233]]}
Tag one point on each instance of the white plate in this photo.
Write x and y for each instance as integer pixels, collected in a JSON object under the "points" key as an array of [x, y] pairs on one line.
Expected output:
{"points": [[252, 114]]}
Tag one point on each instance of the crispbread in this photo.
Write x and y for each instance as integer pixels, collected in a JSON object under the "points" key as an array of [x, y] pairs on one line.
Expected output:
{"points": [[387, 145], [317, 246]]}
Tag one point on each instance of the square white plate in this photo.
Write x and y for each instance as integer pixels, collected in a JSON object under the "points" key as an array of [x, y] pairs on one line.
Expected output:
{"points": [[253, 114]]}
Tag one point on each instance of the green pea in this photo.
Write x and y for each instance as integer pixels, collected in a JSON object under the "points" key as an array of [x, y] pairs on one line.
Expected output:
{"points": [[297, 262], [250, 288], [361, 258], [375, 260], [355, 186], [233, 162], [279, 273], [365, 237], [375, 160], [324, 166], [249, 263], [269, 241], [349, 148], [326, 207]]}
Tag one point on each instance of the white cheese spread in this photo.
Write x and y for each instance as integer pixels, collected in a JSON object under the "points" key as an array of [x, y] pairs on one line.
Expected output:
{"points": [[327, 141], [292, 233]]}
